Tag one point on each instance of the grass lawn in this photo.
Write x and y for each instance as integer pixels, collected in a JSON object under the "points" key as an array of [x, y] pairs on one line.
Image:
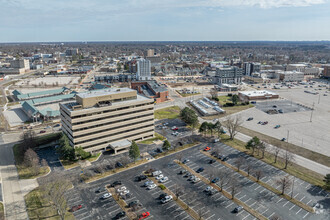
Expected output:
{"points": [[2, 214], [23, 171], [187, 94], [312, 155], [168, 113], [37, 206], [151, 140], [294, 169]]}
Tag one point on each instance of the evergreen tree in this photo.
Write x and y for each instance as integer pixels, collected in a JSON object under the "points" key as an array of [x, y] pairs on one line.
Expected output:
{"points": [[134, 151], [327, 181], [166, 145]]}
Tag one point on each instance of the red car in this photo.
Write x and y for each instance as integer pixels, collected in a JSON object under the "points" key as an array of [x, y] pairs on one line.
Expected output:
{"points": [[144, 215], [207, 149], [75, 208], [175, 128], [43, 131]]}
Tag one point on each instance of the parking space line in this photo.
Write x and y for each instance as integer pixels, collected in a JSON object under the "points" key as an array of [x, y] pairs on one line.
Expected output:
{"points": [[299, 211], [229, 204], [257, 187], [271, 215], [292, 207], [264, 211], [247, 200], [115, 210], [241, 198], [286, 203], [171, 206], [179, 214], [308, 202], [306, 215], [302, 198], [210, 217], [246, 216]]}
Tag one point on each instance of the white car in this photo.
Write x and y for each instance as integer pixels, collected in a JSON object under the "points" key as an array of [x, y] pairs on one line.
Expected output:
{"points": [[148, 183], [121, 189], [122, 193], [152, 186], [164, 179], [159, 176], [196, 180], [192, 178], [106, 195], [166, 199], [156, 173], [207, 189]]}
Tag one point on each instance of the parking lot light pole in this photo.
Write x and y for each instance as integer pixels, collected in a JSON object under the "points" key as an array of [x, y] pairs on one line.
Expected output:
{"points": [[287, 137], [312, 113]]}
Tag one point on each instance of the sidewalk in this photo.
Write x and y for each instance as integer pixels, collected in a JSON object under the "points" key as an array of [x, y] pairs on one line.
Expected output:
{"points": [[13, 197]]}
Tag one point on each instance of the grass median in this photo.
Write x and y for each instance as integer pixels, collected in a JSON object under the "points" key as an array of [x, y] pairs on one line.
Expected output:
{"points": [[2, 211], [123, 205], [224, 192], [265, 185], [67, 164], [151, 140], [293, 169], [39, 208]]}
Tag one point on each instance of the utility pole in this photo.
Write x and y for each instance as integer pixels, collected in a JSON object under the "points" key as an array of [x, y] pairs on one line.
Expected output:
{"points": [[312, 113], [287, 137], [319, 99]]}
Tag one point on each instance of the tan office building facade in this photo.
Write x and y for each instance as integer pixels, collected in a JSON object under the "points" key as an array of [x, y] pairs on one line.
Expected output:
{"points": [[105, 119]]}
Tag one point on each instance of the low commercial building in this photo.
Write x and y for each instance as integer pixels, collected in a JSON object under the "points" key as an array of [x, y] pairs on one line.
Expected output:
{"points": [[106, 119], [151, 89], [290, 76], [257, 95]]}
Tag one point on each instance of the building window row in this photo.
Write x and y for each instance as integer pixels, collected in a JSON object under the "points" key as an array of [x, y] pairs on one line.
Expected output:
{"points": [[113, 134], [112, 116], [109, 129], [117, 139]]}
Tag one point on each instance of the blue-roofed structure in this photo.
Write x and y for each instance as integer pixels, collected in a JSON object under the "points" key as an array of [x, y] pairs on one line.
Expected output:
{"points": [[20, 96]]}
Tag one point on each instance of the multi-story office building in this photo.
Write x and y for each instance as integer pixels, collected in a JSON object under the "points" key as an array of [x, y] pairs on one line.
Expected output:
{"points": [[20, 64], [228, 75], [326, 71], [290, 76], [250, 68], [143, 69], [108, 119], [151, 53]]}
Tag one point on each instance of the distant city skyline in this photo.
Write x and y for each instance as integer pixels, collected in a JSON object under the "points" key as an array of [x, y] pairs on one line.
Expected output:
{"points": [[167, 20]]}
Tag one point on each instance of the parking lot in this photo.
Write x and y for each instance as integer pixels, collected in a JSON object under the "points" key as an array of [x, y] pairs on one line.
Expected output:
{"points": [[308, 129], [52, 158], [284, 106], [167, 130], [303, 191]]}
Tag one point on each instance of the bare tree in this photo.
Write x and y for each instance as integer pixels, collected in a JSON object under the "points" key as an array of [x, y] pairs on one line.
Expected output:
{"points": [[54, 187], [275, 150], [262, 148], [28, 139], [249, 168], [201, 213], [31, 160], [214, 93], [178, 191], [224, 177], [275, 217], [212, 174], [234, 187], [232, 125], [284, 182], [288, 158], [179, 156], [259, 174], [239, 161], [44, 163]]}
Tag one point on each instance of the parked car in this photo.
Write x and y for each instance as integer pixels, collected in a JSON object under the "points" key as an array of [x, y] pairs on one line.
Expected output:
{"points": [[212, 161], [174, 128], [196, 180], [277, 126], [141, 177], [224, 158], [106, 195], [118, 164], [75, 208], [265, 122], [216, 140], [207, 148], [120, 215], [215, 180], [201, 169], [250, 119], [144, 215], [283, 139], [191, 178], [260, 122], [57, 125], [42, 131], [207, 189], [212, 192], [98, 190], [188, 174], [164, 179], [159, 150], [116, 183], [148, 183], [185, 161], [238, 209], [280, 111], [133, 203], [166, 199], [151, 186], [121, 189], [214, 153], [159, 177], [156, 173], [182, 171], [163, 195]]}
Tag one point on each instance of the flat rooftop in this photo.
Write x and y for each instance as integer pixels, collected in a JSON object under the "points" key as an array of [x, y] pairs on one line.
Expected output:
{"points": [[258, 93], [69, 105], [103, 92]]}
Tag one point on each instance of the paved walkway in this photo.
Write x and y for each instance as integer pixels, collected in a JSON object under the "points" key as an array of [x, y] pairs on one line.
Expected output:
{"points": [[13, 197]]}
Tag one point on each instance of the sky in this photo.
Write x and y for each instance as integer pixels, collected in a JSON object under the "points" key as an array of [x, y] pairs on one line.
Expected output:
{"points": [[164, 20]]}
